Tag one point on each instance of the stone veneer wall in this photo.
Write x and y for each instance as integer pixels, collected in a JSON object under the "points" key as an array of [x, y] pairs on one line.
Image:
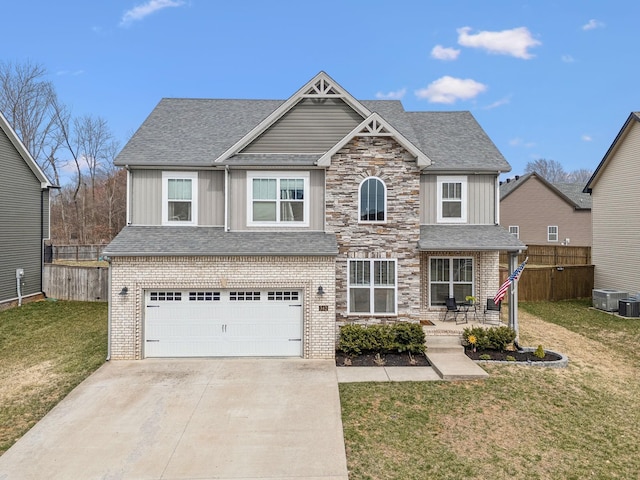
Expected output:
{"points": [[397, 238], [141, 273], [486, 278]]}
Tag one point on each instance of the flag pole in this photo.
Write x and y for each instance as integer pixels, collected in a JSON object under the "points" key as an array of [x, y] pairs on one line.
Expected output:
{"points": [[513, 300]]}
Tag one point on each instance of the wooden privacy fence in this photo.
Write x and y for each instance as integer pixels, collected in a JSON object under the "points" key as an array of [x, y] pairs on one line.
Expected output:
{"points": [[552, 255], [86, 284], [72, 252], [542, 282]]}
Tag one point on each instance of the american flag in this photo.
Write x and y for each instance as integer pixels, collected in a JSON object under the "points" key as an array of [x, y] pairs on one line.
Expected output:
{"points": [[502, 291]]}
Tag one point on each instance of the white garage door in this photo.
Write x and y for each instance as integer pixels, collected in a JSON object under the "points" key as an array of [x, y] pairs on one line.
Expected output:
{"points": [[221, 323]]}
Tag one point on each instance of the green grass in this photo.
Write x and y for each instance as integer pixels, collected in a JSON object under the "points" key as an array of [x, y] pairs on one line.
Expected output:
{"points": [[46, 349], [521, 423]]}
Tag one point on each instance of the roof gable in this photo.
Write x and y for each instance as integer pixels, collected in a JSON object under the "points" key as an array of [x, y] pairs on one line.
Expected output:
{"points": [[319, 87], [24, 153], [632, 119], [375, 125], [566, 191]]}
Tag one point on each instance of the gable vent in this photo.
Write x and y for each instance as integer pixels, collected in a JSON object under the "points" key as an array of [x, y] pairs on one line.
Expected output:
{"points": [[322, 87], [374, 127]]}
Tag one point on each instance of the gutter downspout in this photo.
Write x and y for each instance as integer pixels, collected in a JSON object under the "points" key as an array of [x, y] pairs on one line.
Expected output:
{"points": [[128, 219], [109, 305], [498, 199], [226, 198], [42, 240]]}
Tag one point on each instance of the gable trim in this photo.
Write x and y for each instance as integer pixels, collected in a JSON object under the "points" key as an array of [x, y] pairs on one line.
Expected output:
{"points": [[24, 153], [375, 126], [522, 180], [320, 86], [622, 133]]}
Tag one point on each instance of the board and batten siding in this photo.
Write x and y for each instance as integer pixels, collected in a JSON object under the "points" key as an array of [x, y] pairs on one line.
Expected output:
{"points": [[20, 223], [616, 217], [238, 201], [481, 199], [311, 126], [146, 197], [533, 207]]}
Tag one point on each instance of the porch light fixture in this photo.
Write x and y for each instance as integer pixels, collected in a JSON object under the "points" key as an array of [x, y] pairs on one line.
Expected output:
{"points": [[124, 291], [320, 290]]}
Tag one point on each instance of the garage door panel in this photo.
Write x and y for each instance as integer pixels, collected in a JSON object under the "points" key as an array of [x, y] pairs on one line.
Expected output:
{"points": [[223, 323]]}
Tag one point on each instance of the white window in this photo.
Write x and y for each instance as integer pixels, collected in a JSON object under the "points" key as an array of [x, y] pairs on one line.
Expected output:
{"points": [[278, 198], [452, 199], [552, 233], [373, 200], [372, 287], [450, 277], [179, 198], [514, 230]]}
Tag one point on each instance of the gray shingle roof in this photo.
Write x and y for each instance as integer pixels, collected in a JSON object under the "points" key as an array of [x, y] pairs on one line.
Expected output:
{"points": [[467, 238], [194, 132], [214, 241], [572, 192]]}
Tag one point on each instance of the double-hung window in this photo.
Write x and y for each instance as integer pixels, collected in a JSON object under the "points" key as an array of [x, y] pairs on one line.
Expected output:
{"points": [[373, 200], [450, 277], [452, 199], [372, 287], [179, 198], [278, 198], [514, 230], [552, 233]]}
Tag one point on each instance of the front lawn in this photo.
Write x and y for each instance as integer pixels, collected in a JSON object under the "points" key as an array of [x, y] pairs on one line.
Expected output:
{"points": [[522, 422], [46, 349]]}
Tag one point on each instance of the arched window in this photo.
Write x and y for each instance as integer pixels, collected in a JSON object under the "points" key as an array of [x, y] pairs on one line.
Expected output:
{"points": [[373, 200]]}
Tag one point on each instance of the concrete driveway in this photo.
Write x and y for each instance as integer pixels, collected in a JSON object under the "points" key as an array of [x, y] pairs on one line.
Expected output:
{"points": [[191, 419]]}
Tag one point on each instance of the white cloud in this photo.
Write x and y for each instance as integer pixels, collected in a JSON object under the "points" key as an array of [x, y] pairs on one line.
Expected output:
{"points": [[592, 25], [449, 89], [397, 95], [498, 103], [518, 142], [444, 53], [586, 138], [568, 59], [514, 42], [139, 12]]}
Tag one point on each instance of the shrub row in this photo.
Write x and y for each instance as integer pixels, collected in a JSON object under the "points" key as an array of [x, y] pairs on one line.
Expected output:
{"points": [[497, 338], [398, 337]]}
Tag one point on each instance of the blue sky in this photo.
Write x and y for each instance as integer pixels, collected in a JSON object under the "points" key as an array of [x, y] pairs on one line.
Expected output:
{"points": [[545, 79]]}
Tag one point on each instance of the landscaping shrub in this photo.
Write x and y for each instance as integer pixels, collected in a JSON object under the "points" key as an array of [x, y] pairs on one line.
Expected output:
{"points": [[399, 337], [497, 338], [539, 352]]}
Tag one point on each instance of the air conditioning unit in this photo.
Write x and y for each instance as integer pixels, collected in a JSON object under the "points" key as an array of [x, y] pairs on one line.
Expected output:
{"points": [[629, 307], [607, 299]]}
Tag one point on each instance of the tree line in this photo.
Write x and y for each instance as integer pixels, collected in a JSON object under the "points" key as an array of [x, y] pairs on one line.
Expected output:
{"points": [[75, 152]]}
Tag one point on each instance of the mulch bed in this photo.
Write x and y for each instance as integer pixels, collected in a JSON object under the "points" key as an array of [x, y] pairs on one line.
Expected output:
{"points": [[519, 356], [390, 359]]}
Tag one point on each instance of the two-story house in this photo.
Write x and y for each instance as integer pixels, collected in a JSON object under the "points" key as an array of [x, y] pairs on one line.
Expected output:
{"points": [[539, 212], [24, 220], [257, 227]]}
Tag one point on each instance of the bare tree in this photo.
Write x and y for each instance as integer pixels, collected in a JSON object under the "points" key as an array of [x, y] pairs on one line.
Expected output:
{"points": [[550, 170], [582, 175], [28, 102]]}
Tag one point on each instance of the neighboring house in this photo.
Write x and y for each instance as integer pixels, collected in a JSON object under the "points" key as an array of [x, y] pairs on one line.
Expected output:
{"points": [[257, 227], [542, 213], [614, 190], [24, 219]]}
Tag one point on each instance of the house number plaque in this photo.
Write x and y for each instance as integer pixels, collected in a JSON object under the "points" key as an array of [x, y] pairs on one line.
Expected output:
{"points": [[323, 308]]}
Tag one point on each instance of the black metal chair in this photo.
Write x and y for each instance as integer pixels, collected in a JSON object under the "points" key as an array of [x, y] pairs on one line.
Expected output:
{"points": [[453, 309], [493, 309]]}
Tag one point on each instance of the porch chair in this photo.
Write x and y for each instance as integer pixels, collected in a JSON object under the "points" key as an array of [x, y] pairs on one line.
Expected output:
{"points": [[493, 309], [453, 309]]}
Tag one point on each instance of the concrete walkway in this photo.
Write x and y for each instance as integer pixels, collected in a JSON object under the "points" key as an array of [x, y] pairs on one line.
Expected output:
{"points": [[191, 419]]}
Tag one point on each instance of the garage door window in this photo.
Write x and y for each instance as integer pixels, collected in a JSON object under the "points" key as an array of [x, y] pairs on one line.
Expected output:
{"points": [[165, 296], [282, 296], [244, 296], [204, 296]]}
